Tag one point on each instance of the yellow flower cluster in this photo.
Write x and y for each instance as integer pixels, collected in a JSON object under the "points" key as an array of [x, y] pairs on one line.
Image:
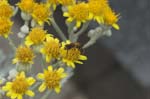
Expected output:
{"points": [[60, 55], [20, 86], [24, 55], [98, 10], [6, 12], [51, 79], [39, 11], [51, 48]]}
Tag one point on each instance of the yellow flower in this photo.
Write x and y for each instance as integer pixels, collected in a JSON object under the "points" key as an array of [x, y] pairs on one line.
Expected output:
{"points": [[67, 2], [19, 87], [96, 9], [71, 54], [24, 55], [41, 13], [53, 3], [5, 9], [36, 36], [5, 28], [111, 18], [26, 5], [51, 48], [78, 13], [51, 79]]}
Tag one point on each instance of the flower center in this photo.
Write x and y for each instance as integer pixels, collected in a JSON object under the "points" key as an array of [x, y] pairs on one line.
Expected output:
{"points": [[96, 7], [26, 5], [72, 54], [5, 26], [79, 11], [37, 35], [24, 54], [52, 79], [52, 48], [110, 17], [6, 10], [20, 86], [41, 12]]}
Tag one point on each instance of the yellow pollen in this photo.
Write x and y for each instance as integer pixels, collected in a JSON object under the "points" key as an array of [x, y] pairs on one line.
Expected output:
{"points": [[37, 35], [5, 27], [79, 12], [110, 16], [72, 54], [52, 79], [20, 86], [5, 9], [97, 7], [41, 13], [24, 54], [26, 5], [52, 48]]}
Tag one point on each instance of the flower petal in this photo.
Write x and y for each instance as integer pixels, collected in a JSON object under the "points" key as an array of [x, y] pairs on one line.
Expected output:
{"points": [[19, 96], [42, 87], [57, 89], [40, 76], [30, 80], [30, 93], [60, 70]]}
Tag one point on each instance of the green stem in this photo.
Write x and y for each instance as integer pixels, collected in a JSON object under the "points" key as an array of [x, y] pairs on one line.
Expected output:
{"points": [[58, 30], [74, 36], [46, 94], [35, 85], [84, 27], [11, 43]]}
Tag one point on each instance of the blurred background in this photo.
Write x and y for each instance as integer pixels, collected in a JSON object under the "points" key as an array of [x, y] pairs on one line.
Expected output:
{"points": [[118, 67]]}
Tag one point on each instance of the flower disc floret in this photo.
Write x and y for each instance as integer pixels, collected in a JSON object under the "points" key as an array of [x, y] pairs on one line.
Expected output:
{"points": [[78, 13], [36, 36], [96, 9], [26, 5], [5, 28], [111, 18], [19, 87], [51, 79], [6, 10], [51, 48], [24, 55], [72, 55], [41, 13]]}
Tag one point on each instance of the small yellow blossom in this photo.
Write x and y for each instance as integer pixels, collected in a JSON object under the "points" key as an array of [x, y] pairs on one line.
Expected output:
{"points": [[24, 55], [36, 36], [26, 5], [67, 2], [5, 9], [78, 13], [96, 9], [51, 79], [71, 55], [51, 48], [111, 18], [19, 87], [5, 28], [41, 13], [53, 3]]}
